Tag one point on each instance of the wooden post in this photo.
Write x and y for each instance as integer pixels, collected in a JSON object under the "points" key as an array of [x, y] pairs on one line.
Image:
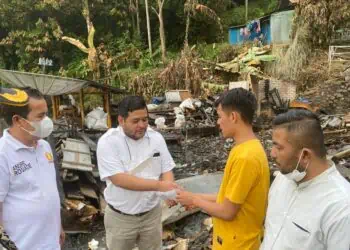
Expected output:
{"points": [[81, 97], [148, 29], [54, 108], [108, 110], [58, 102]]}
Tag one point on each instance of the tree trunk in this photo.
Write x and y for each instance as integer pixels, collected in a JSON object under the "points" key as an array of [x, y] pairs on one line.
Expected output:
{"points": [[161, 30], [138, 18], [148, 29], [93, 61], [188, 21], [246, 10], [132, 11]]}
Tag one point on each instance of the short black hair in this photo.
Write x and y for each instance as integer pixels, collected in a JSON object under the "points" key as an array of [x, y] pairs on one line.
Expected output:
{"points": [[130, 104], [9, 111], [305, 128], [241, 101]]}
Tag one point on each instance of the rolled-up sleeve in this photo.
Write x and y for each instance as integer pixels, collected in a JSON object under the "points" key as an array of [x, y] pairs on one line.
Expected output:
{"points": [[4, 178], [167, 160], [108, 159]]}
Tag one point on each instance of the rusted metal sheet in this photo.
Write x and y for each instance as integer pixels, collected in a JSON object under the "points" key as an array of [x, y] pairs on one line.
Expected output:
{"points": [[177, 95]]}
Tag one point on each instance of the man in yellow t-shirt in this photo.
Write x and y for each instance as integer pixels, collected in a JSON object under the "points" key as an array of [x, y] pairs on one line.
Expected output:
{"points": [[240, 206]]}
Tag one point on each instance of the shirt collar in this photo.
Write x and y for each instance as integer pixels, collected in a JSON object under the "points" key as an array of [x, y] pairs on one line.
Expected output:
{"points": [[16, 143], [332, 168], [121, 130]]}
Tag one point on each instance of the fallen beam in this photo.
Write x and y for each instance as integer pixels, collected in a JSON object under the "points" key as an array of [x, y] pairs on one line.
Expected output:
{"points": [[340, 131], [341, 154]]}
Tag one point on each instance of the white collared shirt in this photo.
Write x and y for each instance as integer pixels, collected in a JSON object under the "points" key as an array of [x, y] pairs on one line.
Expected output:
{"points": [[117, 153], [28, 191], [314, 215]]}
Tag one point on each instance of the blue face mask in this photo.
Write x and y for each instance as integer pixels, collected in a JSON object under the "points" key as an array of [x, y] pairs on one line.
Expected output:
{"points": [[296, 175]]}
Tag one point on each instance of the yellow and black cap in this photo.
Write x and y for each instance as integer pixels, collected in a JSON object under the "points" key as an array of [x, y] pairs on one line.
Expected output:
{"points": [[13, 97]]}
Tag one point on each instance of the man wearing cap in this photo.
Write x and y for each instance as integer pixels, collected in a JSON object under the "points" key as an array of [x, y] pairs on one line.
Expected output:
{"points": [[29, 200]]}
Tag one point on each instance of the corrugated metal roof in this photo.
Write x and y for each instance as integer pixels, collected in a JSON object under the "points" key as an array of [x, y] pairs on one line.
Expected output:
{"points": [[51, 85], [46, 84]]}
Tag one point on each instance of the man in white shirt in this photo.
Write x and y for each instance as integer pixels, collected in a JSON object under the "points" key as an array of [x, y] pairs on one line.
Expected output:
{"points": [[309, 201], [29, 201], [133, 214]]}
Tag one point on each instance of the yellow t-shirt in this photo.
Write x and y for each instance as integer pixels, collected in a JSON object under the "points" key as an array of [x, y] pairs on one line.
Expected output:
{"points": [[246, 182]]}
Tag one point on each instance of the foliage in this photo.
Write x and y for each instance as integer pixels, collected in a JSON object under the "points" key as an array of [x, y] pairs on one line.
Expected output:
{"points": [[320, 18], [184, 73], [76, 69], [313, 26], [222, 52], [236, 16], [28, 46], [37, 31]]}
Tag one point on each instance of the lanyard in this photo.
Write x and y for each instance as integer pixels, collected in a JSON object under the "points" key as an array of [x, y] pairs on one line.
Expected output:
{"points": [[127, 145]]}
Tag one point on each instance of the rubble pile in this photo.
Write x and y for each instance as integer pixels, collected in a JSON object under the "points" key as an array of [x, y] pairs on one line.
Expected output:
{"points": [[337, 140], [190, 116], [332, 95], [82, 187], [195, 229], [199, 156], [189, 128]]}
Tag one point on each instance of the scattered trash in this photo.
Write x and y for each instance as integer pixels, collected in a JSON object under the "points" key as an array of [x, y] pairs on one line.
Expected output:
{"points": [[152, 107], [177, 96], [180, 121], [335, 122], [96, 119], [187, 104], [208, 223], [93, 245], [160, 122]]}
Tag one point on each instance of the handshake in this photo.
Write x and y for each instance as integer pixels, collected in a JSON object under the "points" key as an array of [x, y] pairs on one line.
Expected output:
{"points": [[176, 194]]}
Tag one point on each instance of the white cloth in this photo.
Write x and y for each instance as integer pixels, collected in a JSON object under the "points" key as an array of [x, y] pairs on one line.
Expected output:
{"points": [[28, 191], [312, 215], [117, 153]]}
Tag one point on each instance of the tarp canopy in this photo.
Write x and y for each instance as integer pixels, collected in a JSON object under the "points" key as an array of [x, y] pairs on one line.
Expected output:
{"points": [[46, 84]]}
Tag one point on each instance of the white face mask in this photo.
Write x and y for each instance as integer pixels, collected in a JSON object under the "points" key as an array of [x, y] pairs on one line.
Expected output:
{"points": [[296, 175], [42, 129]]}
